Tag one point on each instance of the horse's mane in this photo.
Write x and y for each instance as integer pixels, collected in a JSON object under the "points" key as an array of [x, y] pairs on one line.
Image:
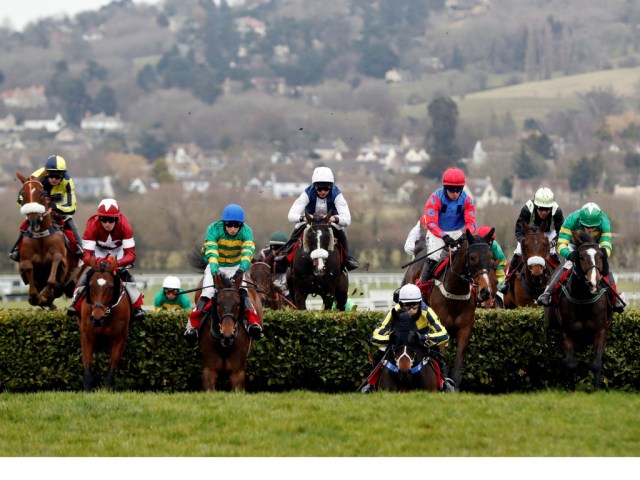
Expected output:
{"points": [[403, 326], [195, 258], [585, 237]]}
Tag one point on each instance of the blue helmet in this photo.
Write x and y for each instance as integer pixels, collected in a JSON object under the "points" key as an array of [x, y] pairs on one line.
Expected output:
{"points": [[55, 163], [233, 213]]}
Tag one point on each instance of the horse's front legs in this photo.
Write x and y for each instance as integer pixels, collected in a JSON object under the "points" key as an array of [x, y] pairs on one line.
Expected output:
{"points": [[47, 295], [117, 349], [26, 272], [87, 357], [462, 345], [596, 366], [209, 378], [237, 380], [570, 361]]}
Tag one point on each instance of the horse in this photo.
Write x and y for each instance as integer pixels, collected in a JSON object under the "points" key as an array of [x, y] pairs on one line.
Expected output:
{"points": [[532, 275], [582, 311], [456, 288], [46, 264], [261, 278], [224, 343], [105, 315], [406, 367], [316, 267]]}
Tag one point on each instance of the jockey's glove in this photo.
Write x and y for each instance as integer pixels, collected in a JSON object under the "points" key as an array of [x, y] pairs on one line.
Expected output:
{"points": [[448, 241], [56, 197], [239, 273], [574, 257]]}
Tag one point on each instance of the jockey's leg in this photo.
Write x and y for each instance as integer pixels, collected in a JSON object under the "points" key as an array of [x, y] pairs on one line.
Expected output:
{"points": [[447, 384], [14, 254], [503, 287], [135, 295], [619, 303], [72, 226], [254, 323], [545, 298], [427, 269], [350, 262], [199, 311], [372, 381], [78, 293]]}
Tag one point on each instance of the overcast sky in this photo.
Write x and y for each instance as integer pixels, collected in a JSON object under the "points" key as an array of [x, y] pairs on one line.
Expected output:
{"points": [[21, 12]]}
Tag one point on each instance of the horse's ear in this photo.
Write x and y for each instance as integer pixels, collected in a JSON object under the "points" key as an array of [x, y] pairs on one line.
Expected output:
{"points": [[469, 235], [394, 314], [489, 235], [308, 217], [21, 177], [41, 176], [238, 282], [217, 280]]}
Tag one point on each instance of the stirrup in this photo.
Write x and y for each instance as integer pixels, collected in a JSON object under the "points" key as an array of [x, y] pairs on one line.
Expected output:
{"points": [[191, 335], [255, 331], [544, 299]]}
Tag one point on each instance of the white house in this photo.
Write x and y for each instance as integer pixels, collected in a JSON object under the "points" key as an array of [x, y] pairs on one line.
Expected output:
{"points": [[50, 125], [94, 187], [102, 122]]}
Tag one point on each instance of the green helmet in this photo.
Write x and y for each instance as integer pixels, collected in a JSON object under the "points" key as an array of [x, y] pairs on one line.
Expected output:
{"points": [[278, 238], [590, 215]]}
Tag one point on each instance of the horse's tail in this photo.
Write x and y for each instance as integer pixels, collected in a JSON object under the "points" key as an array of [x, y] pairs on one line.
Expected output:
{"points": [[196, 259]]}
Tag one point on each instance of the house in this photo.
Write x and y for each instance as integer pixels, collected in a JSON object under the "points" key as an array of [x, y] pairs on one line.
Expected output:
{"points": [[94, 187], [30, 97], [331, 150], [287, 184], [52, 125], [479, 154], [102, 122], [392, 76], [8, 123], [482, 191], [524, 190], [182, 161], [246, 25]]}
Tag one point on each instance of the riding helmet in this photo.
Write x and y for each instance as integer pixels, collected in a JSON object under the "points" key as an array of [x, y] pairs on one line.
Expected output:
{"points": [[544, 198], [590, 215], [453, 177], [108, 208], [484, 230], [55, 163], [410, 293], [233, 213], [278, 238], [171, 283], [322, 175]]}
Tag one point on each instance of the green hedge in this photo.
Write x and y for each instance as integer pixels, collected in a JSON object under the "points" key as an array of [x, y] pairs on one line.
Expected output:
{"points": [[321, 351]]}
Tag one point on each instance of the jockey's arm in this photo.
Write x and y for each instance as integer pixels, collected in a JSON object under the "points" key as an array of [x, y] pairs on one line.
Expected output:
{"points": [[435, 332], [380, 337], [412, 238], [296, 212], [344, 215], [470, 215]]}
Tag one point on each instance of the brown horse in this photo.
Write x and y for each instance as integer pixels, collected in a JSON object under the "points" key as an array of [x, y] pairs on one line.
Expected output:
{"points": [[582, 310], [457, 288], [224, 343], [406, 366], [315, 268], [105, 315], [532, 275], [46, 264], [261, 278]]}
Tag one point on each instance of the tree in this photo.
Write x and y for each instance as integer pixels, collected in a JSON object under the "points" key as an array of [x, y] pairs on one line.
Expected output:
{"points": [[525, 165], [147, 79], [94, 71], [150, 147], [377, 59], [105, 101], [585, 173]]}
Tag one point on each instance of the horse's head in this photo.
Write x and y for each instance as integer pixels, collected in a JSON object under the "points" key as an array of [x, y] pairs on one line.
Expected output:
{"points": [[34, 202], [478, 262], [404, 341], [535, 251], [592, 264], [260, 277], [104, 288], [225, 324], [318, 242]]}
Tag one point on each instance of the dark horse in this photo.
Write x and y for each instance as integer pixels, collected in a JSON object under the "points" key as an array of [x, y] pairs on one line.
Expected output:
{"points": [[406, 367], [582, 311], [46, 265], [105, 315], [224, 342], [456, 289], [532, 275], [261, 278], [315, 268]]}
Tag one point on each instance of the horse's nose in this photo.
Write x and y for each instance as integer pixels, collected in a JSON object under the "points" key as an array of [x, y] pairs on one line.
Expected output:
{"points": [[484, 294]]}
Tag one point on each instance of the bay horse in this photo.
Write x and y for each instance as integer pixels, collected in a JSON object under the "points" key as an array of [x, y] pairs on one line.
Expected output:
{"points": [[105, 315], [582, 311], [316, 267], [458, 285], [47, 266], [261, 277], [407, 367], [530, 279], [224, 342]]}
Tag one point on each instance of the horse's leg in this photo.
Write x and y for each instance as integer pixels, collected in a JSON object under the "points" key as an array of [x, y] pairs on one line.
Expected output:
{"points": [[47, 295], [87, 357], [598, 347], [209, 378], [26, 272], [341, 293], [462, 345], [237, 378], [117, 349], [570, 361], [300, 299]]}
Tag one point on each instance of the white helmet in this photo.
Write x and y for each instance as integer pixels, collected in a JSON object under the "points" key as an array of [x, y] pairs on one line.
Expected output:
{"points": [[410, 293], [171, 283], [544, 198], [322, 175]]}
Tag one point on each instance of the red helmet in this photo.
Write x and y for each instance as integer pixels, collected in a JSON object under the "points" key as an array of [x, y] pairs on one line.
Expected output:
{"points": [[483, 230], [453, 177], [108, 208]]}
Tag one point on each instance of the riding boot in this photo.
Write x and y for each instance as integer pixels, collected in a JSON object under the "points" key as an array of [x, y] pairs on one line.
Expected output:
{"points": [[195, 319], [371, 384], [619, 301], [545, 298], [350, 263], [14, 254], [72, 226], [555, 259], [254, 323], [133, 292], [448, 384], [427, 269], [74, 308]]}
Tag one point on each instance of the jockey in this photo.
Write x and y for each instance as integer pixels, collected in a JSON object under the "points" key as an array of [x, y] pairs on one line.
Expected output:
{"points": [[592, 220], [60, 188], [169, 297], [432, 334], [544, 212], [447, 213], [279, 269], [323, 198], [228, 248], [108, 232], [496, 251], [412, 239]]}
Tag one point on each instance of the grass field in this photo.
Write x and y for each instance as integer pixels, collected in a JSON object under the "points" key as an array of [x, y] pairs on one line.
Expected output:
{"points": [[305, 424]]}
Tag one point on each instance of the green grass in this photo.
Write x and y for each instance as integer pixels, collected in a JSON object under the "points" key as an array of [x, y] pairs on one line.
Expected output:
{"points": [[305, 424]]}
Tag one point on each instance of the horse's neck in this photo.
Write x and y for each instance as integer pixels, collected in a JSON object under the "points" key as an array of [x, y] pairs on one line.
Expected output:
{"points": [[454, 275]]}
